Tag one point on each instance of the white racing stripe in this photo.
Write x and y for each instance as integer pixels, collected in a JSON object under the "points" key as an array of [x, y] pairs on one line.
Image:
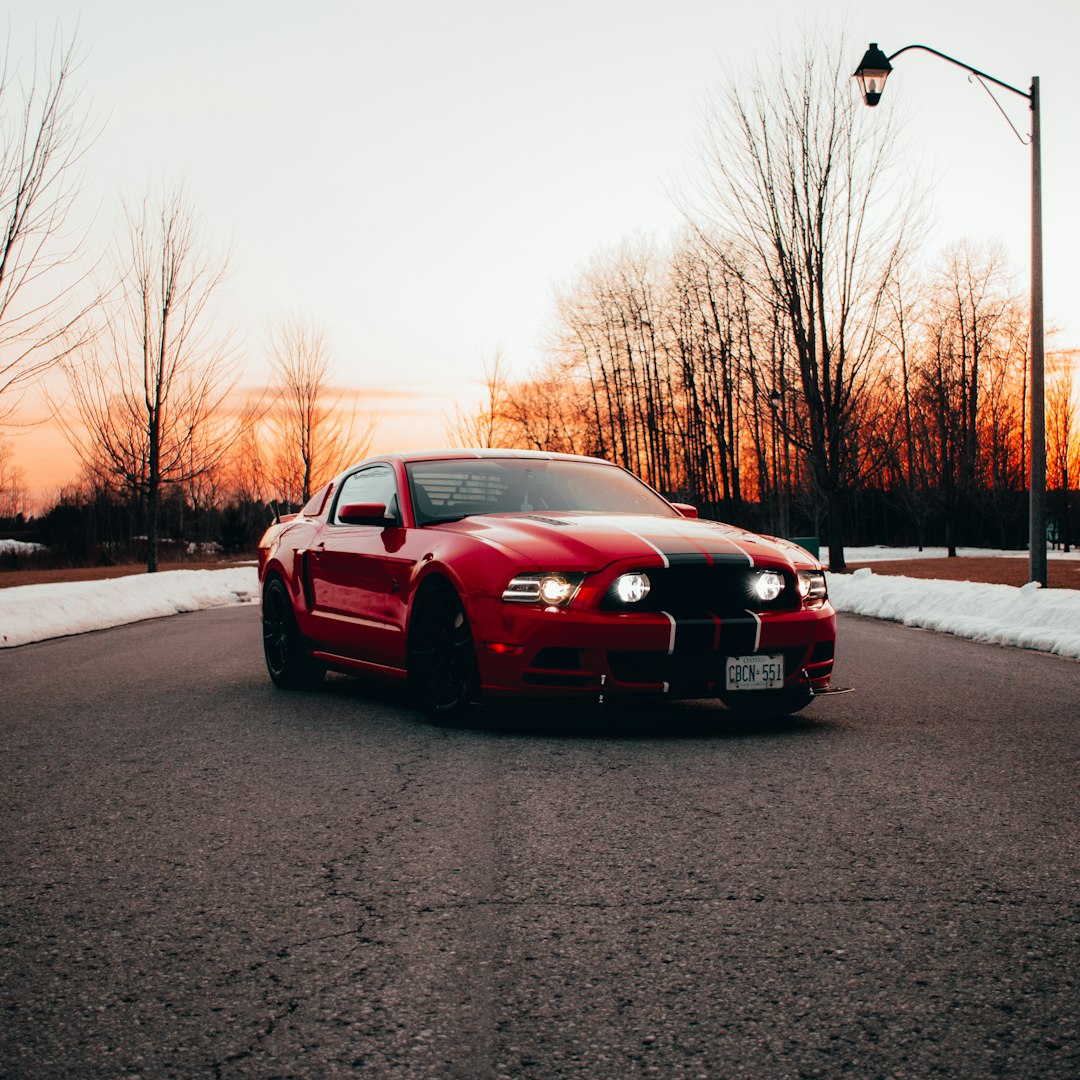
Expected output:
{"points": [[741, 550], [757, 629], [645, 540], [671, 639]]}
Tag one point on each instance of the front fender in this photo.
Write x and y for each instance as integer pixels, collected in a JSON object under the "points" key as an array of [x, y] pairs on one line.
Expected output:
{"points": [[474, 572], [281, 553]]}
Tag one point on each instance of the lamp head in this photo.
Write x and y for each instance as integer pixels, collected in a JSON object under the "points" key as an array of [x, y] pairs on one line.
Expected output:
{"points": [[872, 73]]}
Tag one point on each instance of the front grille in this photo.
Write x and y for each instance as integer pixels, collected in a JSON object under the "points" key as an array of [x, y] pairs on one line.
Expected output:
{"points": [[555, 666], [698, 668], [558, 659], [720, 589], [558, 678]]}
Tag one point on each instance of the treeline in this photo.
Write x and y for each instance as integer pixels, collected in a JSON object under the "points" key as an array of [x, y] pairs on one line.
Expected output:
{"points": [[667, 363], [90, 525], [791, 362], [222, 474]]}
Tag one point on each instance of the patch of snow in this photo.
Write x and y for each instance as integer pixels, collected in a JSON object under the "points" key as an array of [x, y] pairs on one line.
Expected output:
{"points": [[19, 547], [36, 612], [1027, 617], [204, 547], [879, 553]]}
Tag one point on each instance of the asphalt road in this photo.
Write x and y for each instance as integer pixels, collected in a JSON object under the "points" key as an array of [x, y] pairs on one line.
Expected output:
{"points": [[203, 876]]}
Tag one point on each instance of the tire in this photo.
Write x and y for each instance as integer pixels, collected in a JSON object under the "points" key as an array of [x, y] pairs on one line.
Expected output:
{"points": [[287, 659], [441, 656], [767, 704]]}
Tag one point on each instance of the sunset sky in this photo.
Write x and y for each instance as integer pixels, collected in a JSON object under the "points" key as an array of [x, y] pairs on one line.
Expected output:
{"points": [[418, 177]]}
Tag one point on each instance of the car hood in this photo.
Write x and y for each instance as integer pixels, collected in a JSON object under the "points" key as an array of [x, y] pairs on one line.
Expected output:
{"points": [[589, 542]]}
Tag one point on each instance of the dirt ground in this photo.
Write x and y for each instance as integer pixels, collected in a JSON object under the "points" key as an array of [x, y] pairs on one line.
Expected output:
{"points": [[1063, 573]]}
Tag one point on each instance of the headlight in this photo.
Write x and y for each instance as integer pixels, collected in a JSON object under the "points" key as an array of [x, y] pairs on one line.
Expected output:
{"points": [[768, 585], [555, 590], [631, 588], [812, 585]]}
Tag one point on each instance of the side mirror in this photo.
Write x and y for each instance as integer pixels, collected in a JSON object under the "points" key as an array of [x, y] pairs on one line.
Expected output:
{"points": [[686, 510], [364, 514]]}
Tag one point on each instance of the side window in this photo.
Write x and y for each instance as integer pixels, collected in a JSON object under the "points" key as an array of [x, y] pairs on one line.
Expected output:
{"points": [[372, 485]]}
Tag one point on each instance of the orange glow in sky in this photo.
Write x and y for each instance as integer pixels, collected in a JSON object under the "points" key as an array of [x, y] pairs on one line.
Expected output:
{"points": [[404, 420], [419, 179]]}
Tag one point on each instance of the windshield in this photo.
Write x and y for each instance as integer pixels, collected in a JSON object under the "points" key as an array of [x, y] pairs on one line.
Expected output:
{"points": [[456, 488]]}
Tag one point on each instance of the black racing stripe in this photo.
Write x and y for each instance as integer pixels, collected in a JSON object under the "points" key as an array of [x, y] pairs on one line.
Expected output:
{"points": [[698, 633], [695, 633], [738, 635], [691, 667], [687, 558], [702, 643]]}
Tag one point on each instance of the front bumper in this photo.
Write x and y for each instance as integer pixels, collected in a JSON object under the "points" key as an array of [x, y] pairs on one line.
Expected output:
{"points": [[566, 653]]}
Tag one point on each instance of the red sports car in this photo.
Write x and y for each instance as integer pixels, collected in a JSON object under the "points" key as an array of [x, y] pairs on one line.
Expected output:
{"points": [[494, 573]]}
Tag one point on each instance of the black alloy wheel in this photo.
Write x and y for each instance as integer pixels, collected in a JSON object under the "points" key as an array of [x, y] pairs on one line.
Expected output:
{"points": [[287, 658], [442, 658]]}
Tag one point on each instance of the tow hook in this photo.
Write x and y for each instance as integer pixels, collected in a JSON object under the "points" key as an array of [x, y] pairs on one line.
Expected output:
{"points": [[827, 689]]}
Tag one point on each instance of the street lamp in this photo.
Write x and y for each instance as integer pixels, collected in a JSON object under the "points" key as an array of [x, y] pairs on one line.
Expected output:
{"points": [[871, 75]]}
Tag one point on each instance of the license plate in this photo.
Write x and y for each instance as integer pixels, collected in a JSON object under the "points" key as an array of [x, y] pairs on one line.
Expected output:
{"points": [[754, 673]]}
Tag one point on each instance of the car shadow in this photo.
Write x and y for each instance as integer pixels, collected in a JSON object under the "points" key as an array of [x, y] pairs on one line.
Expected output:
{"points": [[641, 718]]}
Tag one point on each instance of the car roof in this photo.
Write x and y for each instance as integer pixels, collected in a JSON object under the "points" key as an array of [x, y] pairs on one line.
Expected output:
{"points": [[478, 453]]}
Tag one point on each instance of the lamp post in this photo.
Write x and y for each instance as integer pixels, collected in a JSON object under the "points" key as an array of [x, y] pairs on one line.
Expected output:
{"points": [[871, 75]]}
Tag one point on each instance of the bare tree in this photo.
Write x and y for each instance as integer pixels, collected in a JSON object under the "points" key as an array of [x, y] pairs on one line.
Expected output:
{"points": [[486, 426], [552, 411], [149, 390], [718, 342], [314, 427], [13, 497], [246, 473], [966, 376], [1063, 435], [612, 332], [975, 304], [906, 475], [44, 135], [791, 173]]}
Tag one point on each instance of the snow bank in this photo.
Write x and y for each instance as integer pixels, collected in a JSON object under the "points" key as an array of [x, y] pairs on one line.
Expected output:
{"points": [[1028, 617], [36, 612]]}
